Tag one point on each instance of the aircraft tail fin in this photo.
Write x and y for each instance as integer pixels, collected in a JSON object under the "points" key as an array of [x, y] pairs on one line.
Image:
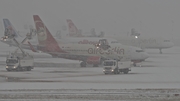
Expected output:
{"points": [[9, 27], [93, 32], [45, 38], [73, 31]]}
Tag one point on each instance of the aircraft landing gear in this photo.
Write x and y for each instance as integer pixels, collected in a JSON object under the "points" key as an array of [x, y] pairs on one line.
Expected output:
{"points": [[160, 51], [134, 64], [95, 65], [83, 64]]}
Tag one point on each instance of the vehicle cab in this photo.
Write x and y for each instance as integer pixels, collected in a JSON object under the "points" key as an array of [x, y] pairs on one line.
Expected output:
{"points": [[110, 66], [116, 67], [12, 63]]}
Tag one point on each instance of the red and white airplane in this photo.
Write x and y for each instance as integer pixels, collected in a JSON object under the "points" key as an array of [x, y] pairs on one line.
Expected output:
{"points": [[87, 53]]}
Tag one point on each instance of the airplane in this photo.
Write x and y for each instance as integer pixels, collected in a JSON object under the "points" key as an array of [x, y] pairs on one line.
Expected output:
{"points": [[143, 42], [112, 42], [80, 39], [83, 52], [135, 39]]}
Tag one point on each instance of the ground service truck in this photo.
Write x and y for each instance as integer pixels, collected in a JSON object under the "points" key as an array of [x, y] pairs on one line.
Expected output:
{"points": [[18, 61], [116, 67]]}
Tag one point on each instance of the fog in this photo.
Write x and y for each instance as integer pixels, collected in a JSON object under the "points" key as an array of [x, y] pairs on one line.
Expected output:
{"points": [[149, 17], [55, 78]]}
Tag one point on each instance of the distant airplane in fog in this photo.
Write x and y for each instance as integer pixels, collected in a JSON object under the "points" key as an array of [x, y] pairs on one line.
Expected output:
{"points": [[75, 36], [144, 42], [75, 32], [134, 39]]}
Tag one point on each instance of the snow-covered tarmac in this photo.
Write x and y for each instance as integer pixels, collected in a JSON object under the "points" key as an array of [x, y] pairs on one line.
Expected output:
{"points": [[160, 72]]}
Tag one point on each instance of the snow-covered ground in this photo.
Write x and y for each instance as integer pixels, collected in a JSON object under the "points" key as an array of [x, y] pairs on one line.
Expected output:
{"points": [[90, 95], [159, 72]]}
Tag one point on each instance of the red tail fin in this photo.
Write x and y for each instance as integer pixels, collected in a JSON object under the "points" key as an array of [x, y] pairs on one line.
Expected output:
{"points": [[73, 31], [45, 38]]}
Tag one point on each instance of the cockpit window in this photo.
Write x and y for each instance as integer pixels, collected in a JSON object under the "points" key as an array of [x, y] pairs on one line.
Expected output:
{"points": [[139, 51], [109, 63], [11, 61], [114, 42], [166, 40]]}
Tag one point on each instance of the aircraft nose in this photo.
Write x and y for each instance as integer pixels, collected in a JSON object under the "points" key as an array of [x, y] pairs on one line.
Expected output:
{"points": [[145, 55]]}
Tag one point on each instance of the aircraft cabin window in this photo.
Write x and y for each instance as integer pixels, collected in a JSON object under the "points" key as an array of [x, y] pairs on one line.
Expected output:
{"points": [[139, 51]]}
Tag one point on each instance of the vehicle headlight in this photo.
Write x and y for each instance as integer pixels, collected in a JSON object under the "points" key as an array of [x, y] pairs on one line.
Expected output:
{"points": [[14, 67], [6, 66], [112, 70]]}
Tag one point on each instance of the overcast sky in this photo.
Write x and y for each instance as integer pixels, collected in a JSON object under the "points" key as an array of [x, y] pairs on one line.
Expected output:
{"points": [[151, 17]]}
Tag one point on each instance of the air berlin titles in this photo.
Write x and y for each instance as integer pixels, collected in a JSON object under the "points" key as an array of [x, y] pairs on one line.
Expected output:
{"points": [[117, 50]]}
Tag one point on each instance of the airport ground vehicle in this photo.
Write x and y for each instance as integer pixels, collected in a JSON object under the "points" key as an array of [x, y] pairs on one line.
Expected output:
{"points": [[116, 67], [19, 62]]}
